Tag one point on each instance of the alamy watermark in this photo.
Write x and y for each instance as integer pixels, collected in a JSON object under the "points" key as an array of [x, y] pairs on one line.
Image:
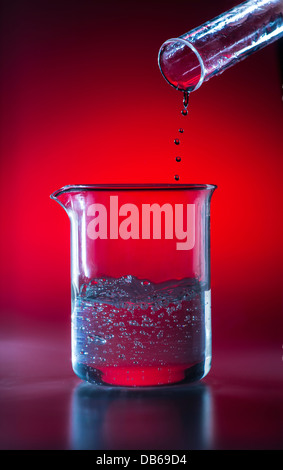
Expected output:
{"points": [[143, 222]]}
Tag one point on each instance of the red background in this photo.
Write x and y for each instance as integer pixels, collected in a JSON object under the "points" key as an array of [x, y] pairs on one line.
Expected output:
{"points": [[83, 101]]}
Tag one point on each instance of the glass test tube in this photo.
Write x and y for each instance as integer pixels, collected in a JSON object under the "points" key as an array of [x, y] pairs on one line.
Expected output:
{"points": [[193, 58]]}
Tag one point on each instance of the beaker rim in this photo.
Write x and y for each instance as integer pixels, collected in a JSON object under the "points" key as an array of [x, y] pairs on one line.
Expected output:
{"points": [[132, 187]]}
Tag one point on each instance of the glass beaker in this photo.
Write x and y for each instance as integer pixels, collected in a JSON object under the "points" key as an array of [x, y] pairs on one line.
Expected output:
{"points": [[140, 276]]}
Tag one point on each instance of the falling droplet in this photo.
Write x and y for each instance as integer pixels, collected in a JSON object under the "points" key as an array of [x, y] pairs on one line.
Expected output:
{"points": [[186, 99], [185, 103], [181, 130], [177, 141], [178, 159], [177, 177]]}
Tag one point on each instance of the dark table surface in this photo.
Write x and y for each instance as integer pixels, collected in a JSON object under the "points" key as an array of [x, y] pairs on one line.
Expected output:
{"points": [[239, 405]]}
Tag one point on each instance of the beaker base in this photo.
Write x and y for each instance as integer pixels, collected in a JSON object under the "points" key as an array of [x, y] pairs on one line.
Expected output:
{"points": [[142, 376]]}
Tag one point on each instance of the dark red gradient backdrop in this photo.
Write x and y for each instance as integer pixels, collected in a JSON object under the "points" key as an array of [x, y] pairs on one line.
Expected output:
{"points": [[83, 101]]}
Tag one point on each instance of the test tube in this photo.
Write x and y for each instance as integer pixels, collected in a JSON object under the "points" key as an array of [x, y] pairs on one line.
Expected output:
{"points": [[193, 58]]}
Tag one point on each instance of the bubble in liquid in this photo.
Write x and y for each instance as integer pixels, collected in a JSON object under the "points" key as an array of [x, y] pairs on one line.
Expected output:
{"points": [[178, 159], [177, 177], [95, 339], [177, 141], [181, 130]]}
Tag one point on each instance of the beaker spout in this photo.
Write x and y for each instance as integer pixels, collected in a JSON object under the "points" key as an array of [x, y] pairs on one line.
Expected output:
{"points": [[206, 51], [64, 197]]}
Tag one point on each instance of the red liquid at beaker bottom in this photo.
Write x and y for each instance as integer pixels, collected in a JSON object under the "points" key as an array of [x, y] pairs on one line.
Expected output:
{"points": [[132, 332]]}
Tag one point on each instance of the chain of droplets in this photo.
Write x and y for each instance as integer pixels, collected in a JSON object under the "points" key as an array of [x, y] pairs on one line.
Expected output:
{"points": [[184, 112]]}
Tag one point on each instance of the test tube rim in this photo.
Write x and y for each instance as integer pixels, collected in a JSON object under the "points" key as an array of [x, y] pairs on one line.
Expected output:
{"points": [[190, 45]]}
